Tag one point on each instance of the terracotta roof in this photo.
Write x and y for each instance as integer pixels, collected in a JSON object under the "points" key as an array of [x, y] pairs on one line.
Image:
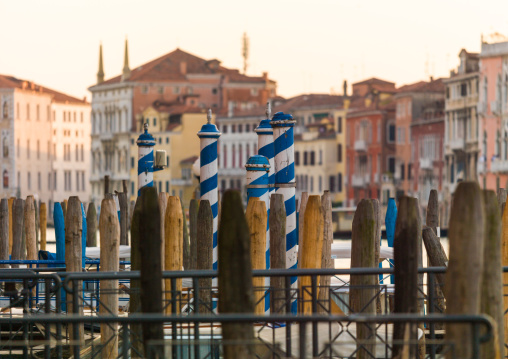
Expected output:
{"points": [[190, 160], [176, 108], [374, 81], [309, 101], [7, 81], [168, 68], [424, 86]]}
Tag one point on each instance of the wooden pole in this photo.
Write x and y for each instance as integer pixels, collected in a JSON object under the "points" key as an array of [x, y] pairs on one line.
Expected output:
{"points": [[124, 187], [11, 224], [124, 218], [362, 290], [464, 274], [91, 226], [204, 237], [43, 216], [436, 253], [326, 258], [193, 228], [311, 249], [110, 241], [151, 270], [407, 231], [135, 301], [277, 251], [432, 218], [131, 211], [235, 276], [501, 199], [17, 230], [186, 246], [163, 203], [106, 185], [379, 221], [29, 223], [492, 281], [256, 219], [64, 208], [73, 255], [301, 215], [37, 226], [4, 231], [173, 248]]}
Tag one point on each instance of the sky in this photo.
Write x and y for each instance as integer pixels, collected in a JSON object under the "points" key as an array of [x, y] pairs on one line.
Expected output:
{"points": [[309, 46]]}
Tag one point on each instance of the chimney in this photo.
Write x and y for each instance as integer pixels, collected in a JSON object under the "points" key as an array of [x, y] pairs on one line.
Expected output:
{"points": [[344, 86], [183, 67]]}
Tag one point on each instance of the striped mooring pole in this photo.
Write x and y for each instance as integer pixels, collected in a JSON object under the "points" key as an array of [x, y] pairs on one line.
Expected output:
{"points": [[146, 164], [283, 143], [257, 179], [208, 137]]}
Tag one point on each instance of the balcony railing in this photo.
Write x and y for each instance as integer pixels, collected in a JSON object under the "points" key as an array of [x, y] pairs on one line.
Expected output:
{"points": [[425, 163], [358, 181], [457, 144], [360, 145], [499, 166]]}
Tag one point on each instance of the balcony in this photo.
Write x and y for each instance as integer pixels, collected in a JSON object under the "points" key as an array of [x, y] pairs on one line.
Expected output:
{"points": [[457, 144], [425, 164], [360, 180], [495, 108], [481, 108], [360, 146], [499, 166]]}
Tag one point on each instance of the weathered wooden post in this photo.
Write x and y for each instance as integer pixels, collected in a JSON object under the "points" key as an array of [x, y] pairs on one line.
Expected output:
{"points": [[11, 224], [235, 276], [17, 230], [110, 241], [204, 234], [186, 248], [501, 199], [163, 203], [124, 218], [29, 224], [326, 257], [73, 255], [436, 253], [277, 251], [64, 208], [193, 228], [311, 248], [43, 217], [37, 226], [4, 231], [363, 287], [91, 224], [131, 211], [173, 249], [256, 219], [464, 274], [301, 214], [135, 301], [151, 270], [407, 232], [492, 281]]}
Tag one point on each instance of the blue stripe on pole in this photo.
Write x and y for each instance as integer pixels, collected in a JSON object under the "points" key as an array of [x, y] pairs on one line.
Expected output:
{"points": [[286, 174], [214, 241], [208, 154], [145, 163], [267, 151], [83, 236], [209, 184], [58, 220], [215, 209], [284, 141], [290, 205]]}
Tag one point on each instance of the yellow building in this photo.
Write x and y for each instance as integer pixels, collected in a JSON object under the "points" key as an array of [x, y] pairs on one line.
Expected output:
{"points": [[175, 129]]}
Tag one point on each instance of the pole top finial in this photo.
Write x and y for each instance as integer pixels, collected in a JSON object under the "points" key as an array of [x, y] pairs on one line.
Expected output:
{"points": [[145, 126], [268, 109], [209, 116]]}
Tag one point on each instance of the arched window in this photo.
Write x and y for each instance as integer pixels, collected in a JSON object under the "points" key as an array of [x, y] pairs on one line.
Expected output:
{"points": [[6, 179], [5, 111]]}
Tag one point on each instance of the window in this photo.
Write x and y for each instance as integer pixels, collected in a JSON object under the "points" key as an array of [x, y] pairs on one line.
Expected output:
{"points": [[297, 158], [55, 182], [311, 184], [83, 187], [339, 183], [161, 89], [402, 171], [401, 135], [339, 153], [391, 133], [17, 110], [463, 90], [167, 140], [176, 90], [223, 185], [5, 111], [64, 116], [391, 165], [409, 168], [320, 184], [37, 113], [5, 147], [305, 158], [6, 179], [81, 117], [39, 181], [240, 128], [132, 162], [49, 181], [29, 180], [339, 124], [214, 91], [144, 89], [28, 111], [332, 183], [154, 121], [82, 153], [167, 186], [312, 158], [320, 157], [38, 149], [224, 128], [132, 187], [247, 128], [233, 128], [28, 149], [77, 181]]}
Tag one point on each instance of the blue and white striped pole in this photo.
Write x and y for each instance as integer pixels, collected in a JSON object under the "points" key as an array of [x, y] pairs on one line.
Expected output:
{"points": [[283, 143], [258, 186], [145, 143], [208, 137]]}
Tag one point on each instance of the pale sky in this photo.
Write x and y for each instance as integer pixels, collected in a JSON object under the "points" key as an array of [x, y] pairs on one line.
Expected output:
{"points": [[306, 46]]}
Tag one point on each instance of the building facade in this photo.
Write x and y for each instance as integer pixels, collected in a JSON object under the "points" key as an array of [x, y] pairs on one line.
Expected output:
{"points": [[45, 142], [175, 79]]}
